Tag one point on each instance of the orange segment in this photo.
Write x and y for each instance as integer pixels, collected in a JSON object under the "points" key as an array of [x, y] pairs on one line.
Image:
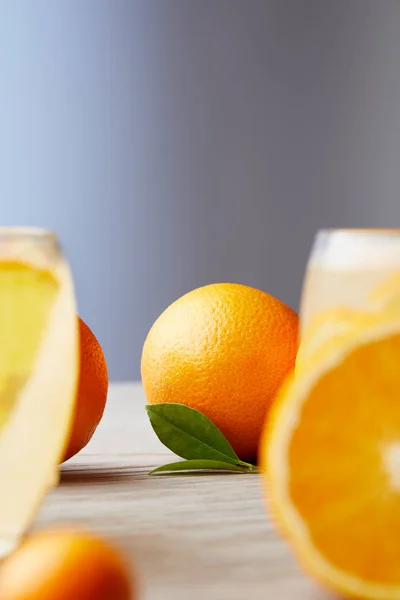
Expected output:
{"points": [[332, 455], [26, 297], [387, 295], [332, 324]]}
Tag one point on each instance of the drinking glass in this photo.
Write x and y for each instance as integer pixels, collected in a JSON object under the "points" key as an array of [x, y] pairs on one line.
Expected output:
{"points": [[38, 373], [345, 266]]}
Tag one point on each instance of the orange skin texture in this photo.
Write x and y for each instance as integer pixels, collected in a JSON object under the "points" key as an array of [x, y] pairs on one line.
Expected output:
{"points": [[223, 349], [65, 565], [92, 391]]}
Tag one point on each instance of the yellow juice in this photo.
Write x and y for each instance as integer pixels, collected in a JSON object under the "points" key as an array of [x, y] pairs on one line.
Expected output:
{"points": [[38, 373], [344, 268]]}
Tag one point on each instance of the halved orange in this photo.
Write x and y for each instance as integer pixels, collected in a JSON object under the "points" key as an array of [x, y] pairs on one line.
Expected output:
{"points": [[331, 456]]}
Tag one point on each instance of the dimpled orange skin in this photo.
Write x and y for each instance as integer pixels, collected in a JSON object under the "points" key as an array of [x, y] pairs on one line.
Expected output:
{"points": [[92, 391], [223, 349], [65, 565]]}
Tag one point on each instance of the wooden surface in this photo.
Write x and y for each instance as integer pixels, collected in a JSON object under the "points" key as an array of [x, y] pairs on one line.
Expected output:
{"points": [[203, 537]]}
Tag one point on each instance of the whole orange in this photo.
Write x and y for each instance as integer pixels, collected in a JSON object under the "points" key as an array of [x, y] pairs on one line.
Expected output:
{"points": [[223, 349], [65, 565], [92, 391]]}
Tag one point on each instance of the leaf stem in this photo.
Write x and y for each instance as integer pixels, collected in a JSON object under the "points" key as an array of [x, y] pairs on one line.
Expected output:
{"points": [[247, 465]]}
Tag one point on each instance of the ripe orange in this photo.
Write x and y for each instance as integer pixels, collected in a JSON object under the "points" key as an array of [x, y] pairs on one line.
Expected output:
{"points": [[331, 453], [222, 349], [65, 565], [92, 391]]}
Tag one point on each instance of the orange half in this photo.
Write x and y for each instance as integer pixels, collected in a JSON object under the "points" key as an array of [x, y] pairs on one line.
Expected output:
{"points": [[331, 455]]}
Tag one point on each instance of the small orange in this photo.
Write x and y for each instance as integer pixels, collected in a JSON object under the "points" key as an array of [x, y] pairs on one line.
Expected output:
{"points": [[65, 564], [92, 391], [222, 349]]}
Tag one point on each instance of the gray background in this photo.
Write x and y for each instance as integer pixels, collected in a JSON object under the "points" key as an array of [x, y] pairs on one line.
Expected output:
{"points": [[173, 143]]}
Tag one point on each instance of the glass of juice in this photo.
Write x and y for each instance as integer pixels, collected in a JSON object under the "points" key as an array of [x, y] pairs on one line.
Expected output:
{"points": [[38, 373], [344, 267]]}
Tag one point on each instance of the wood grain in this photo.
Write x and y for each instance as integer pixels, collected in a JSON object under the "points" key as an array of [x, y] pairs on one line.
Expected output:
{"points": [[188, 537]]}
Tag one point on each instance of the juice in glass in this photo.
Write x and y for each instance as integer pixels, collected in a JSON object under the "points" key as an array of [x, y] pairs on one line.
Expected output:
{"points": [[38, 372], [344, 268]]}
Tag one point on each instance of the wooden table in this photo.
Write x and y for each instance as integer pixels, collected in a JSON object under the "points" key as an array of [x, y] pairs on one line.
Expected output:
{"points": [[188, 537]]}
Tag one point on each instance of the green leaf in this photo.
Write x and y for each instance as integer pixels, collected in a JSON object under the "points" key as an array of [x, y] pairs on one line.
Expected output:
{"points": [[189, 433], [199, 465]]}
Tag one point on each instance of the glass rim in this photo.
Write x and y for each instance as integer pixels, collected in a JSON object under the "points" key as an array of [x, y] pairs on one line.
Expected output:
{"points": [[360, 230], [27, 232], [345, 248]]}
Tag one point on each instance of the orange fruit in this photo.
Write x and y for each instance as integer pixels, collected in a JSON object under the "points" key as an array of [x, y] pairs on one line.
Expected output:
{"points": [[331, 457], [92, 391], [222, 349], [65, 565]]}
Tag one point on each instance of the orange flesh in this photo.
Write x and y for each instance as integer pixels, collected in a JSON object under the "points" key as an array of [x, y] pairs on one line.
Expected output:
{"points": [[340, 483]]}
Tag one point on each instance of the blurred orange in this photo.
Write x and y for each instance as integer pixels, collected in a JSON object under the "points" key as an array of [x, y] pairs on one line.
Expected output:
{"points": [[92, 391], [65, 565]]}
